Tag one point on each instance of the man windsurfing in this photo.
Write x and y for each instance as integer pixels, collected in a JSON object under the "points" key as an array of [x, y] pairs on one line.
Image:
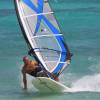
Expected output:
{"points": [[34, 69]]}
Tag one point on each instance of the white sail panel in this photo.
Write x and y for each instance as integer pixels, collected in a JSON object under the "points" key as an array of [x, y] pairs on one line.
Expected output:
{"points": [[43, 29], [26, 10], [29, 21]]}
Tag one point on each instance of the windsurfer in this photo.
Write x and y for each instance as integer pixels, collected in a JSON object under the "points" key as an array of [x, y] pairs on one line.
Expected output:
{"points": [[32, 68]]}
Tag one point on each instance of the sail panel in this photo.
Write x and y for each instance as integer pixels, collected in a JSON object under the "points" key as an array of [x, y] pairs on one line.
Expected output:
{"points": [[26, 10], [43, 29], [50, 17], [48, 54], [43, 33]]}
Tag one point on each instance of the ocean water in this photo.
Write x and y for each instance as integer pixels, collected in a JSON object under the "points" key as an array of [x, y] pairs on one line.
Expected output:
{"points": [[79, 21]]}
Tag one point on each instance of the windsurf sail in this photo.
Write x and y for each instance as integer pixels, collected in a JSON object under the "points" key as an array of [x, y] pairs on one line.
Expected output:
{"points": [[42, 34]]}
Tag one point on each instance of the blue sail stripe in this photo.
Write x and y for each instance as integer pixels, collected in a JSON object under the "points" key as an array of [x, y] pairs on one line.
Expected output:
{"points": [[52, 28], [31, 5], [40, 10], [63, 56]]}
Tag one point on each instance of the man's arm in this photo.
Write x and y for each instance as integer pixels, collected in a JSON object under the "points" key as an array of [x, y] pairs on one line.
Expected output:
{"points": [[24, 78]]}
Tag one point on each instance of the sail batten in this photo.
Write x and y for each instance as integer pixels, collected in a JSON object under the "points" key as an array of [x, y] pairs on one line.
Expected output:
{"points": [[47, 13], [43, 33], [38, 36]]}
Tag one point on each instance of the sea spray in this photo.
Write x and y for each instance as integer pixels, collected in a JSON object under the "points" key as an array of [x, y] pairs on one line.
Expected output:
{"points": [[87, 83]]}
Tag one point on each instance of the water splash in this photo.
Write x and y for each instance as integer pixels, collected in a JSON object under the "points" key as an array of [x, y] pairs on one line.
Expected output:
{"points": [[30, 87], [87, 83]]}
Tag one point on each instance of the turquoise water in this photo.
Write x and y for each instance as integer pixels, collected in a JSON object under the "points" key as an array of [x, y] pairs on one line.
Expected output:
{"points": [[79, 20]]}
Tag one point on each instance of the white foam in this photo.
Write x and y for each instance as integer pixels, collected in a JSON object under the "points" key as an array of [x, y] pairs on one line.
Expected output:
{"points": [[87, 83]]}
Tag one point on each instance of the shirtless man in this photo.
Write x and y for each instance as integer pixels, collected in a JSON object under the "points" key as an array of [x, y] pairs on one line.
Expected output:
{"points": [[32, 68]]}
